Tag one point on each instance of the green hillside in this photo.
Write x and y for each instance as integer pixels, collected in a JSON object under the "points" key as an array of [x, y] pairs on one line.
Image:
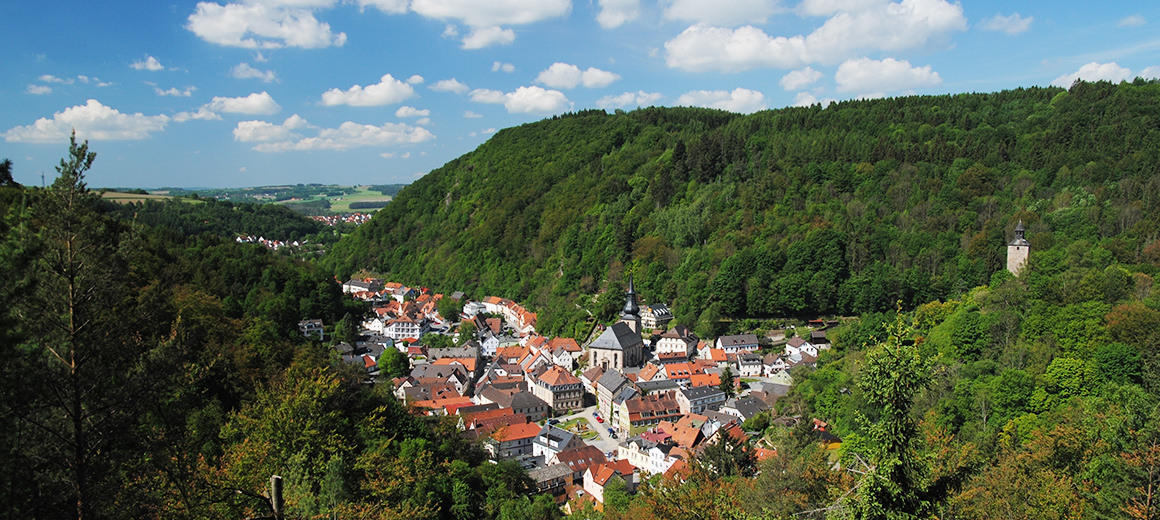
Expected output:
{"points": [[844, 209]]}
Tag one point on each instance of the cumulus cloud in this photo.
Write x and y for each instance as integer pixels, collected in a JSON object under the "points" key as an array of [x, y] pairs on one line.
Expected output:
{"points": [[727, 13], [253, 104], [1133, 21], [38, 89], [449, 85], [805, 99], [386, 92], [49, 78], [174, 91], [348, 135], [525, 100], [614, 13], [563, 75], [92, 121], [488, 36], [149, 63], [506, 67], [487, 18], [386, 6], [639, 98], [406, 111], [1152, 72], [1095, 72], [1013, 24], [256, 103], [415, 79], [484, 14], [798, 79], [261, 131], [245, 71], [875, 26], [259, 25], [471, 115], [865, 75], [740, 100]]}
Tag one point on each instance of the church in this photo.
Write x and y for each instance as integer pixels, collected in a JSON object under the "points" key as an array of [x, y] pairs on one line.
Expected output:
{"points": [[620, 345], [1018, 250]]}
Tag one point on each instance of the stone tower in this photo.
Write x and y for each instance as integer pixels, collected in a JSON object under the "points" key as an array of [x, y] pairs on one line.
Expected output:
{"points": [[630, 315], [1017, 251]]}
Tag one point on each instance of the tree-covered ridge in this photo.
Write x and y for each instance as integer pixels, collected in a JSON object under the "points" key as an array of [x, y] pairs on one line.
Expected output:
{"points": [[845, 209]]}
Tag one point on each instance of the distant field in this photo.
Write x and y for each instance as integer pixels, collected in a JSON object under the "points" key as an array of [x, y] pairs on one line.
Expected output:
{"points": [[342, 204], [125, 198]]}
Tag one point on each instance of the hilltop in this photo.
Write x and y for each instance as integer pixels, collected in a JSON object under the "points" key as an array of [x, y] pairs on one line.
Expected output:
{"points": [[843, 209]]}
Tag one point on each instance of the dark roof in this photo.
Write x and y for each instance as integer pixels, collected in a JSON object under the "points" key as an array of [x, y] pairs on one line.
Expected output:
{"points": [[630, 306], [700, 392], [750, 406], [611, 380], [659, 385], [738, 340], [523, 400], [617, 337]]}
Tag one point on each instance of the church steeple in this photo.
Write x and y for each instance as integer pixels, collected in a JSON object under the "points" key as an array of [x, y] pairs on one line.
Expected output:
{"points": [[630, 315]]}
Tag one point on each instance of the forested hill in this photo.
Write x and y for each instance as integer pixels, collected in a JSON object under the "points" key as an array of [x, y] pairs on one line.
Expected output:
{"points": [[843, 209]]}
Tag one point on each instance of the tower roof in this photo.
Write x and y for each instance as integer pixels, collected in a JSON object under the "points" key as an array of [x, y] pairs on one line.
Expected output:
{"points": [[1019, 240], [630, 306]]}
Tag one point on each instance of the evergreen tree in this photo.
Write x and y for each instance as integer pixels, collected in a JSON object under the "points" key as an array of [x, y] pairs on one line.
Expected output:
{"points": [[727, 383]]}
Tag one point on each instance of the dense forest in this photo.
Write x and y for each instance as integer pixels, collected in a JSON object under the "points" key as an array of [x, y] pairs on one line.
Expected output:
{"points": [[151, 367], [799, 211], [158, 372]]}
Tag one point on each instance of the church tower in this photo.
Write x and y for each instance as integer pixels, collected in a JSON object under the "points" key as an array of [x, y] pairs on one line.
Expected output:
{"points": [[1017, 251], [630, 315]]}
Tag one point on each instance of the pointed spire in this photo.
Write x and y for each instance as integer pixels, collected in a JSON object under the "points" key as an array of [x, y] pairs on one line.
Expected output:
{"points": [[630, 306], [1019, 238]]}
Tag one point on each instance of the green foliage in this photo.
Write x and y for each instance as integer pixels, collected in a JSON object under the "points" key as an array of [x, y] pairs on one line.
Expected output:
{"points": [[728, 383]]}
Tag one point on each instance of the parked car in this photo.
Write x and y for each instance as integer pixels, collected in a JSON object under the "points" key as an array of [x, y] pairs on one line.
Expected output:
{"points": [[611, 431], [599, 419], [613, 435]]}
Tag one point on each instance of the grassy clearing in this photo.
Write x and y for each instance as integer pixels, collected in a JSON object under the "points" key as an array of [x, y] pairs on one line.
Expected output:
{"points": [[342, 204], [125, 198]]}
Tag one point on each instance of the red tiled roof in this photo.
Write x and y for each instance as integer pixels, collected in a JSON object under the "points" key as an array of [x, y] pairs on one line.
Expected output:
{"points": [[516, 432], [556, 376]]}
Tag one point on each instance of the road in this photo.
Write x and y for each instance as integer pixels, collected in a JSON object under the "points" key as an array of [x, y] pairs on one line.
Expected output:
{"points": [[605, 443]]}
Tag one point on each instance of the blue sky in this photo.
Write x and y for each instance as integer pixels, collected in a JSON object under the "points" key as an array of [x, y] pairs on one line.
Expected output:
{"points": [[262, 92]]}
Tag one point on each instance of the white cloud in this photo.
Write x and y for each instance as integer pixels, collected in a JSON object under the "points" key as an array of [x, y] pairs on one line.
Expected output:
{"points": [[261, 26], [614, 13], [449, 85], [798, 79], [38, 89], [488, 131], [259, 57], [261, 131], [202, 114], [450, 31], [149, 63], [1133, 21], [92, 121], [387, 91], [175, 92], [482, 14], [349, 135], [49, 78], [254, 103], [804, 99], [386, 6], [483, 95], [488, 36], [1013, 24], [506, 67], [245, 71], [471, 115], [727, 13], [740, 100], [830, 7], [415, 79], [424, 121], [524, 100], [1152, 72], [406, 111], [563, 75], [877, 26], [1095, 72], [636, 99], [865, 75]]}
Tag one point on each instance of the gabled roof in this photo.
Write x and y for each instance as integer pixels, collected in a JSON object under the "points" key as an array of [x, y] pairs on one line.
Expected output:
{"points": [[468, 363], [568, 344], [580, 459], [516, 432], [593, 374], [704, 380], [737, 340], [611, 381], [796, 342], [648, 372], [617, 337], [556, 376]]}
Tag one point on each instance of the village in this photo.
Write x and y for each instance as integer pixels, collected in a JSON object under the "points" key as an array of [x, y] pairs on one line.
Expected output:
{"points": [[641, 397]]}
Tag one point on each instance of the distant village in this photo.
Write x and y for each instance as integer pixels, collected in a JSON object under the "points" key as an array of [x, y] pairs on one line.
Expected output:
{"points": [[640, 397]]}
